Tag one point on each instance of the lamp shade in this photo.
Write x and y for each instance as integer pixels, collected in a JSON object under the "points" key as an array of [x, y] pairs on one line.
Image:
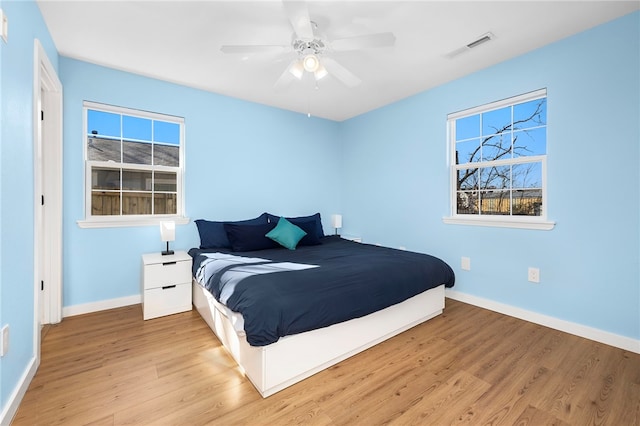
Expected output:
{"points": [[297, 69], [320, 72], [336, 221], [168, 231]]}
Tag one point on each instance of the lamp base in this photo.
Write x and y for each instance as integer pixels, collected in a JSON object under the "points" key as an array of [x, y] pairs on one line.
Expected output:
{"points": [[167, 251]]}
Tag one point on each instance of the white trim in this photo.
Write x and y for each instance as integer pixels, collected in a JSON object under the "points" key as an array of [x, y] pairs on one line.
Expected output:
{"points": [[14, 400], [102, 305], [530, 96], [125, 221], [47, 174], [132, 111], [499, 222], [595, 334]]}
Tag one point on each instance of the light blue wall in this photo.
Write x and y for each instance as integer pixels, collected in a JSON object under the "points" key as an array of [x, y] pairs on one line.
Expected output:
{"points": [[16, 195], [241, 159], [396, 181]]}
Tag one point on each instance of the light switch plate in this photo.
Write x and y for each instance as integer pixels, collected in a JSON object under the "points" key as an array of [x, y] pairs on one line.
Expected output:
{"points": [[4, 26]]}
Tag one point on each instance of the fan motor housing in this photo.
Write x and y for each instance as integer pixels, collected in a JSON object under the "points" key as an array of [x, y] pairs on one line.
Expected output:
{"points": [[307, 47]]}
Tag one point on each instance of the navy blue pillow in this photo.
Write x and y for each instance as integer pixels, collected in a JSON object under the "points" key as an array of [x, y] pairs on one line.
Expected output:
{"points": [[308, 226], [250, 237], [213, 234], [319, 233]]}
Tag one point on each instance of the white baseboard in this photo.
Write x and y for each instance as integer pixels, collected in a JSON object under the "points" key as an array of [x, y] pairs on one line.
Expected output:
{"points": [[10, 410], [590, 333], [86, 308]]}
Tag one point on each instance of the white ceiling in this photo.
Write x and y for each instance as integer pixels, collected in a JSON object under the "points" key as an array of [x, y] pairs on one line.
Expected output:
{"points": [[179, 41]]}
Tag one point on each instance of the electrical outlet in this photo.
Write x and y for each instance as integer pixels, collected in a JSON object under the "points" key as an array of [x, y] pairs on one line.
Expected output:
{"points": [[465, 264], [4, 340], [534, 275]]}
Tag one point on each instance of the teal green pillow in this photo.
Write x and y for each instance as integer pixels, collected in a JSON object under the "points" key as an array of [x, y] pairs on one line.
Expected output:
{"points": [[286, 234]]}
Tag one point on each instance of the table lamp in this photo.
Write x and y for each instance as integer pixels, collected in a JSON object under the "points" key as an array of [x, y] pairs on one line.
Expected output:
{"points": [[167, 233]]}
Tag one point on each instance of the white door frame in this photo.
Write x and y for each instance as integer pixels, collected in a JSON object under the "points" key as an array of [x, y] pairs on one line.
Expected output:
{"points": [[47, 170]]}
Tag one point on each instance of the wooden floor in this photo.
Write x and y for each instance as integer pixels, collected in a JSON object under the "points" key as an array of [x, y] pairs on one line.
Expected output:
{"points": [[469, 366]]}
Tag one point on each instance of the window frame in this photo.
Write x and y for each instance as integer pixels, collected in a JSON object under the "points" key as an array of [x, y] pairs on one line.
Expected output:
{"points": [[122, 220], [505, 221]]}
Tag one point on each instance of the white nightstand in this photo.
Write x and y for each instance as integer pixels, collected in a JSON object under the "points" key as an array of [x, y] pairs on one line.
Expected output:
{"points": [[166, 284]]}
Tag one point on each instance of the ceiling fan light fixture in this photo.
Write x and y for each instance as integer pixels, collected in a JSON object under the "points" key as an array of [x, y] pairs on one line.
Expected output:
{"points": [[321, 72], [297, 69], [311, 63]]}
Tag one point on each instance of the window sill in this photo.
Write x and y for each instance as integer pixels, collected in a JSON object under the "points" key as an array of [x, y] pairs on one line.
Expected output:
{"points": [[501, 222], [121, 222]]}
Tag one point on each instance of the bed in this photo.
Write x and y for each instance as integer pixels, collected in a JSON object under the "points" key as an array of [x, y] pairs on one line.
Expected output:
{"points": [[286, 314]]}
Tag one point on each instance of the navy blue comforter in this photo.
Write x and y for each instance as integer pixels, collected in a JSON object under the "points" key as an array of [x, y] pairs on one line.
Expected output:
{"points": [[351, 280]]}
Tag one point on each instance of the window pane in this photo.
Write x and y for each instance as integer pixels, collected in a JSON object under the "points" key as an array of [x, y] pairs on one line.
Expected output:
{"points": [[136, 152], [495, 202], [166, 155], [498, 177], [467, 202], [530, 114], [136, 203], [135, 180], [103, 149], [165, 203], [105, 203], [530, 142], [467, 179], [103, 178], [527, 202], [166, 182], [468, 151], [166, 132], [103, 123], [527, 175], [497, 147], [468, 127], [496, 121], [136, 128]]}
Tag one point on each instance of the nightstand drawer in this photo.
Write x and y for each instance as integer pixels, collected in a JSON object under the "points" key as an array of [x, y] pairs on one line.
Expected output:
{"points": [[168, 273], [166, 300]]}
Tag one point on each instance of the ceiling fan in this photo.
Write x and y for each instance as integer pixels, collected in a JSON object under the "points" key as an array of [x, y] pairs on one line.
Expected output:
{"points": [[312, 50]]}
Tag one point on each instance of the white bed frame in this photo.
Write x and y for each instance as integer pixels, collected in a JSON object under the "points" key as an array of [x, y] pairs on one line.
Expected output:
{"points": [[294, 358]]}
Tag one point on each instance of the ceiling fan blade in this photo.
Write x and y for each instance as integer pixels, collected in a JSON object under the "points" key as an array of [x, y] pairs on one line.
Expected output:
{"points": [[287, 77], [298, 15], [364, 41], [340, 72], [248, 48]]}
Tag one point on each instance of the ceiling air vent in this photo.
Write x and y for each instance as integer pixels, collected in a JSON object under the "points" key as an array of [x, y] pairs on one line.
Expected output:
{"points": [[480, 40]]}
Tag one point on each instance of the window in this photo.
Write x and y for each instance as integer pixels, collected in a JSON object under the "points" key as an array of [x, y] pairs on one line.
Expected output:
{"points": [[498, 163], [133, 166]]}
